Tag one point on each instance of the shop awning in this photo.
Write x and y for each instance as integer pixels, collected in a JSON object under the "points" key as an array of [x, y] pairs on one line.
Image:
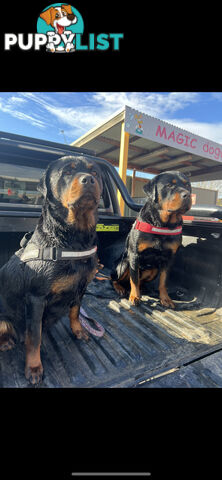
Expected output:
{"points": [[132, 139]]}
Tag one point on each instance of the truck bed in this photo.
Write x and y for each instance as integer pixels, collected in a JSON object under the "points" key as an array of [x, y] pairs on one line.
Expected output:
{"points": [[143, 346]]}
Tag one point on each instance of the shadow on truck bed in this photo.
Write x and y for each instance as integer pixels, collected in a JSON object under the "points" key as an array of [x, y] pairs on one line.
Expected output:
{"points": [[140, 343]]}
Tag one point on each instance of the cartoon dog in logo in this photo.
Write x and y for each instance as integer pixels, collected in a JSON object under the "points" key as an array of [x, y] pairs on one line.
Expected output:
{"points": [[59, 18]]}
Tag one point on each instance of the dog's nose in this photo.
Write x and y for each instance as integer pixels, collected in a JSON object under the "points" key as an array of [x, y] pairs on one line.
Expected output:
{"points": [[87, 179], [71, 16]]}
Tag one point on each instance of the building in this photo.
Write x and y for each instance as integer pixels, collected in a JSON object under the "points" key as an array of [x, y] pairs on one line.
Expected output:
{"points": [[131, 139]]}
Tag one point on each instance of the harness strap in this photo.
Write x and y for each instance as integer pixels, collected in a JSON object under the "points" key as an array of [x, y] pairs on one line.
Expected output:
{"points": [[32, 252], [148, 228]]}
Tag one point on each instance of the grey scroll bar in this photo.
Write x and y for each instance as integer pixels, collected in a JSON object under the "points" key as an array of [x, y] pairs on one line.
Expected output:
{"points": [[111, 474]]}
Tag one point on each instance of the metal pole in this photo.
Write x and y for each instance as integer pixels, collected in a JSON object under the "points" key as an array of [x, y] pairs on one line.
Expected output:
{"points": [[123, 161]]}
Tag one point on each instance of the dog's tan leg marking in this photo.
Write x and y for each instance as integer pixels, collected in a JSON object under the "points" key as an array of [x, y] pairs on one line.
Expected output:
{"points": [[33, 366], [134, 297], [165, 300], [75, 323]]}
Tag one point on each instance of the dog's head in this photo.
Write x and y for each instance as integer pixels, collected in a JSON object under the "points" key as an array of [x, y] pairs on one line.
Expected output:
{"points": [[72, 185], [59, 17], [170, 192]]}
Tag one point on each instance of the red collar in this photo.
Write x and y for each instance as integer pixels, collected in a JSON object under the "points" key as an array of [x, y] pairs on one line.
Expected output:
{"points": [[148, 228]]}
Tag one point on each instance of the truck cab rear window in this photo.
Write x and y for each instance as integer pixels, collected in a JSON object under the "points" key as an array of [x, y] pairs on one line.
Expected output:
{"points": [[18, 184]]}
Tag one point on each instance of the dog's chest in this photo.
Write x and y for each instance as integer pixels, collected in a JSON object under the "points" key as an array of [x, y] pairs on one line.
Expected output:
{"points": [[72, 278], [157, 251], [65, 283]]}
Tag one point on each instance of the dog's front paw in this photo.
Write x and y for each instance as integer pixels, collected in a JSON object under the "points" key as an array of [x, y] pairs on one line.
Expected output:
{"points": [[81, 334], [134, 300], [69, 47], [166, 301], [34, 374], [79, 331]]}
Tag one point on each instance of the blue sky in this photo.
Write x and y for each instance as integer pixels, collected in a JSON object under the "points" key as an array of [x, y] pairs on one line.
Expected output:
{"points": [[45, 114]]}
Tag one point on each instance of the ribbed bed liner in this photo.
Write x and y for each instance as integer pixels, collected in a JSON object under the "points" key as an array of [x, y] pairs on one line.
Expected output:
{"points": [[139, 342]]}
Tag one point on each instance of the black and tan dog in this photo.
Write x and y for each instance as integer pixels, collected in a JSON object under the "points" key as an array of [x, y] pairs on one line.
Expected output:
{"points": [[154, 237], [48, 276]]}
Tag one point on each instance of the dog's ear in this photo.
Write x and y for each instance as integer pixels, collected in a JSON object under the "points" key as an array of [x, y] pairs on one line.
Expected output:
{"points": [[150, 190], [146, 187], [46, 15], [41, 187], [67, 8]]}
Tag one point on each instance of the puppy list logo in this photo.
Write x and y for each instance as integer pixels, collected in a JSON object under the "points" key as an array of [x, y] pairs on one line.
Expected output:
{"points": [[60, 23], [59, 29]]}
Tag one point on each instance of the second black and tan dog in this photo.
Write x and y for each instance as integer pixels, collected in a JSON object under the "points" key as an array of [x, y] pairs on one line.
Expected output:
{"points": [[155, 237]]}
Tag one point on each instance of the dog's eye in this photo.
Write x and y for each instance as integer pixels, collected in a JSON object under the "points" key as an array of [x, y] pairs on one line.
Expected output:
{"points": [[57, 15]]}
